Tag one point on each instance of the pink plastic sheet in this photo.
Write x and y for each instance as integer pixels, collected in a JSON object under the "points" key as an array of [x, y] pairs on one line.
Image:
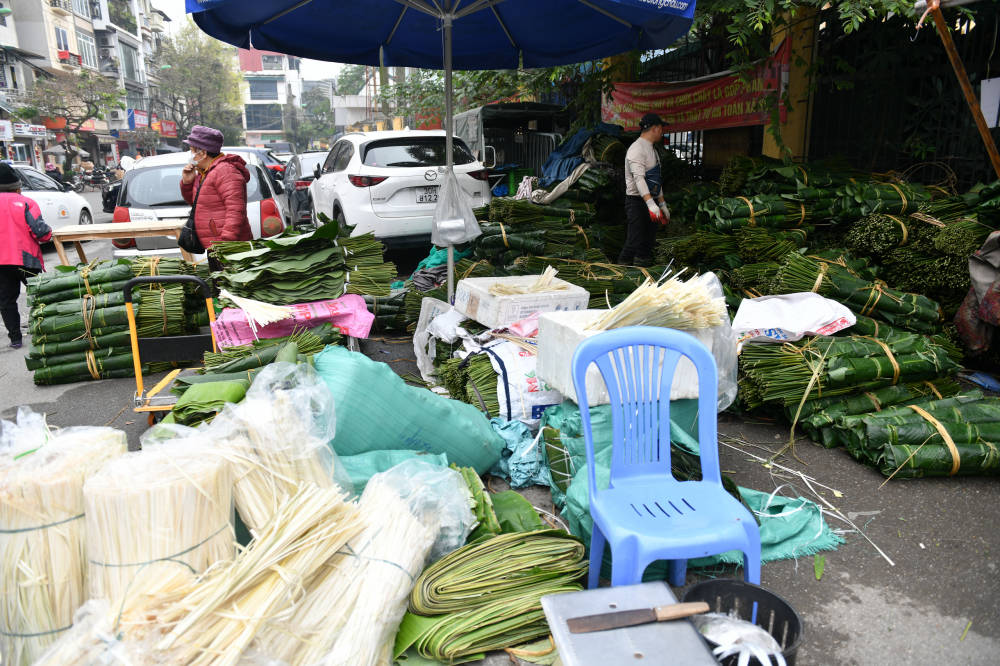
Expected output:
{"points": [[348, 313]]}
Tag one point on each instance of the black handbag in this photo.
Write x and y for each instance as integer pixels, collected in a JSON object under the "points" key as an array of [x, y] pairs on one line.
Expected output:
{"points": [[188, 238]]}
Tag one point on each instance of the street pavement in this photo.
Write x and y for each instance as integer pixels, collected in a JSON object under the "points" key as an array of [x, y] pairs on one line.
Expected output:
{"points": [[941, 534]]}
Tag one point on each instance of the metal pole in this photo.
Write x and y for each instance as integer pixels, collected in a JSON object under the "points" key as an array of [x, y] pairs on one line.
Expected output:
{"points": [[447, 131], [963, 80]]}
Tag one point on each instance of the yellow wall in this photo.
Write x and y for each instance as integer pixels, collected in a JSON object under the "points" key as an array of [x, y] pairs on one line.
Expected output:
{"points": [[795, 132]]}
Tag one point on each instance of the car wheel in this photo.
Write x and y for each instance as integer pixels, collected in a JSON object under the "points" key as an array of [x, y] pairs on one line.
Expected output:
{"points": [[341, 220], [312, 214], [85, 217]]}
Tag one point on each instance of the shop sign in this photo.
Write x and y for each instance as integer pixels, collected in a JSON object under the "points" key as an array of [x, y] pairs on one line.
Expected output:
{"points": [[166, 128], [6, 130], [22, 129], [723, 101], [137, 119], [104, 139]]}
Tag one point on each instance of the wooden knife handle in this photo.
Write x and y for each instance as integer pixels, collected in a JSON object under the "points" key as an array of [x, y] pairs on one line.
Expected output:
{"points": [[677, 611]]}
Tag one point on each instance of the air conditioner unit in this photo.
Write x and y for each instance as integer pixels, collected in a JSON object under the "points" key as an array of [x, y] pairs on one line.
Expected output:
{"points": [[117, 115], [105, 53], [105, 41]]}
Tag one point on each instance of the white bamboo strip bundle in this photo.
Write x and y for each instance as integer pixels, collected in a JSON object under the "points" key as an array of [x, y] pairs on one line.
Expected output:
{"points": [[218, 619], [43, 572], [351, 613], [274, 449], [168, 502], [543, 284], [672, 304], [171, 617]]}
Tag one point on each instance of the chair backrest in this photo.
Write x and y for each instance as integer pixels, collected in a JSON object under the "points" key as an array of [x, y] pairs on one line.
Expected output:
{"points": [[638, 364]]}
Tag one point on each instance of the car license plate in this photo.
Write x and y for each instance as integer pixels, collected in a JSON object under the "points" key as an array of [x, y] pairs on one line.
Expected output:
{"points": [[427, 194]]}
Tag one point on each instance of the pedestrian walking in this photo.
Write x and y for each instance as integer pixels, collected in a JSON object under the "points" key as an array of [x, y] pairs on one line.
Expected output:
{"points": [[21, 230], [645, 208], [219, 184]]}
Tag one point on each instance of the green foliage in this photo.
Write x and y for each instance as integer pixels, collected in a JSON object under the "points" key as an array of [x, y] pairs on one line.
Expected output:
{"points": [[146, 138], [351, 79], [583, 84], [313, 121], [202, 86]]}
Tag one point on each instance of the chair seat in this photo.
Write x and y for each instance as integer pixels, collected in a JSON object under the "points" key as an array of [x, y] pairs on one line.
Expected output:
{"points": [[670, 514]]}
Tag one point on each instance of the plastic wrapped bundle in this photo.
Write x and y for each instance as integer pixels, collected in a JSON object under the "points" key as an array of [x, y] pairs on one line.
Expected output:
{"points": [[165, 502], [277, 439], [413, 513], [170, 616], [43, 546]]}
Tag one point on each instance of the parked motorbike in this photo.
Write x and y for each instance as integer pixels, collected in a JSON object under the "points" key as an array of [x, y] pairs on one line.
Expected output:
{"points": [[76, 182], [95, 178]]}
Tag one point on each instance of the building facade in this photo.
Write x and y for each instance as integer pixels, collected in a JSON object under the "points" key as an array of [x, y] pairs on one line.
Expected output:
{"points": [[273, 90], [115, 38]]}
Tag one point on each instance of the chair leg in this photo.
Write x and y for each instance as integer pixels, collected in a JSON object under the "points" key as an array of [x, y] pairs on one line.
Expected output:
{"points": [[597, 542], [751, 555], [677, 572], [625, 564]]}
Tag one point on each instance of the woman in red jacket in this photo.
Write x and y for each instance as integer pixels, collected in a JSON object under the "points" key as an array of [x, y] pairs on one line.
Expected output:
{"points": [[21, 230], [220, 183]]}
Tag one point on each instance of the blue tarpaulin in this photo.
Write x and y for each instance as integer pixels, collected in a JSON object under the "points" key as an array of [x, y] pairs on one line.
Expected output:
{"points": [[568, 156]]}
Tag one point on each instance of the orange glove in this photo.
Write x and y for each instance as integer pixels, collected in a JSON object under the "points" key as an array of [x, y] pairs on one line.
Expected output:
{"points": [[654, 212]]}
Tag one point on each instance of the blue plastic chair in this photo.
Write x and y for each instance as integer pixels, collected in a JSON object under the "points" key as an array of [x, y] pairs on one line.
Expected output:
{"points": [[646, 514]]}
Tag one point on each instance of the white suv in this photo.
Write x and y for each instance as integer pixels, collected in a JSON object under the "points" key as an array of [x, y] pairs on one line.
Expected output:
{"points": [[387, 183]]}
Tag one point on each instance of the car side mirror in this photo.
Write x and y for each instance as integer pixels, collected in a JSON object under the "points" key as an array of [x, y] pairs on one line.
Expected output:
{"points": [[278, 175], [278, 187], [316, 172]]}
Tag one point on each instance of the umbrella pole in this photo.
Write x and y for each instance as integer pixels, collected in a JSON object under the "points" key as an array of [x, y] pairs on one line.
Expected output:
{"points": [[447, 131]]}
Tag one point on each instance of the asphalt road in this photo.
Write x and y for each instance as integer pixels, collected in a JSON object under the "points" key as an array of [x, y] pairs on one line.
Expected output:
{"points": [[941, 534]]}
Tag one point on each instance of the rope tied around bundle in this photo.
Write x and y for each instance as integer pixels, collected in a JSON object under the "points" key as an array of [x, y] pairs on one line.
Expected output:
{"points": [[753, 221], [956, 460]]}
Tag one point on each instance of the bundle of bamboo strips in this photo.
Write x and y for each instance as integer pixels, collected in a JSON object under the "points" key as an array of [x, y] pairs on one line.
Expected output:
{"points": [[164, 503], [277, 440], [170, 616], [43, 571], [544, 283], [363, 594], [672, 304]]}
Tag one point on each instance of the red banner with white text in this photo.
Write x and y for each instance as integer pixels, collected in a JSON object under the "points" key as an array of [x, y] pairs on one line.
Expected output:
{"points": [[723, 101]]}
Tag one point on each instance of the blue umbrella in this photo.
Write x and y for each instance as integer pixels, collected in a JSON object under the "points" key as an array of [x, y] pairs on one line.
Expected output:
{"points": [[433, 34]]}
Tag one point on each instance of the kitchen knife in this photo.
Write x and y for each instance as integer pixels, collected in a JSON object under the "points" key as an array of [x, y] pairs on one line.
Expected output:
{"points": [[619, 619]]}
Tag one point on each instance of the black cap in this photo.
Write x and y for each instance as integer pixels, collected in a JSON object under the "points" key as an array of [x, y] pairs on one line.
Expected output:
{"points": [[8, 178], [649, 120]]}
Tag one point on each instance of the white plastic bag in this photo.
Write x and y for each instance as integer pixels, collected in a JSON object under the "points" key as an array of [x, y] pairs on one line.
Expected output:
{"points": [[279, 438], [454, 222], [790, 317], [423, 345], [27, 432], [724, 347], [522, 396]]}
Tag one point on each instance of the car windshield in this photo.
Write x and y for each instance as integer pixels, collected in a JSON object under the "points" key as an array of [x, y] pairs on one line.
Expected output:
{"points": [[309, 162], [161, 186], [414, 152]]}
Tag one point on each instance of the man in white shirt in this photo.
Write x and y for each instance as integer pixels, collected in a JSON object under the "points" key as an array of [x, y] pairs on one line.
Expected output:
{"points": [[645, 208]]}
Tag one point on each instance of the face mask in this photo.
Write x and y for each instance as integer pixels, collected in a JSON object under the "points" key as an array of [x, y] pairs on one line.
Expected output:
{"points": [[192, 158]]}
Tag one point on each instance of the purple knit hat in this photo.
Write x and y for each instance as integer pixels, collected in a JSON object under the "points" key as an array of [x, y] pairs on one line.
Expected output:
{"points": [[205, 138]]}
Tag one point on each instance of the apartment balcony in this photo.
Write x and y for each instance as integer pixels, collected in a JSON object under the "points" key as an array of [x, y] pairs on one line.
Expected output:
{"points": [[64, 7], [71, 59], [146, 30], [121, 15], [156, 23], [15, 96]]}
